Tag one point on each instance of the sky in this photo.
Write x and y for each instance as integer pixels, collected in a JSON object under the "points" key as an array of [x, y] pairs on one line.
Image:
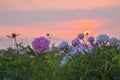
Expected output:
{"points": [[62, 19]]}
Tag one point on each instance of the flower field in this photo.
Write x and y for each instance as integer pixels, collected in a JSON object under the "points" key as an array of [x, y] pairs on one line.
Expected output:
{"points": [[86, 58]]}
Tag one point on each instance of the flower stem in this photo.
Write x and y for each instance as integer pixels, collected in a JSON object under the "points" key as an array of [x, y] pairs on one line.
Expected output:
{"points": [[16, 45]]}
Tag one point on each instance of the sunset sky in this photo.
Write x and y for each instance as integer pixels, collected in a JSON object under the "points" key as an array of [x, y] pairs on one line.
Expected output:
{"points": [[63, 19]]}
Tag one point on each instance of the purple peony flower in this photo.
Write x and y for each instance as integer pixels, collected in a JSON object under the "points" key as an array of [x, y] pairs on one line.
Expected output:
{"points": [[84, 48], [75, 42], [63, 45], [118, 44], [91, 39], [81, 36], [97, 44], [40, 44], [74, 50], [63, 63]]}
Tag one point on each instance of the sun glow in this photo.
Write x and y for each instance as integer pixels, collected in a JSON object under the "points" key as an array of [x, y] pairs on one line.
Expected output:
{"points": [[87, 33], [86, 25]]}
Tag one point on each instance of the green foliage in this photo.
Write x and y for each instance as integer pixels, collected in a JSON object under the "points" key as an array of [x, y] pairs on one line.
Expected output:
{"points": [[101, 64]]}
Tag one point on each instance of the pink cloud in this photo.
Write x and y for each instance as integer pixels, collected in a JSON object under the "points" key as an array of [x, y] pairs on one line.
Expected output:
{"points": [[63, 30], [22, 5], [66, 30]]}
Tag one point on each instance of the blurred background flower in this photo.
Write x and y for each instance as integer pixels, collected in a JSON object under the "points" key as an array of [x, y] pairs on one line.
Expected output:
{"points": [[103, 38], [113, 41], [81, 36], [91, 39], [63, 46], [75, 42]]}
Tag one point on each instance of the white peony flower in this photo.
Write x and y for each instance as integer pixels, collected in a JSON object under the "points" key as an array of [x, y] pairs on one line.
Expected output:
{"points": [[57, 54], [1, 55], [113, 41], [22, 52], [31, 56], [103, 38]]}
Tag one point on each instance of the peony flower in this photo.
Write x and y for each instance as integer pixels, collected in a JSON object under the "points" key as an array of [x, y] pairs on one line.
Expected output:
{"points": [[75, 42], [118, 44], [31, 56], [91, 39], [1, 55], [97, 44], [24, 51], [83, 48], [113, 41], [63, 46], [82, 51], [103, 38], [40, 44], [74, 50], [81, 36], [63, 63]]}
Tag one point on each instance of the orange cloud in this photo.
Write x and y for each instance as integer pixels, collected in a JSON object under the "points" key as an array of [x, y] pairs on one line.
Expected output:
{"points": [[63, 30]]}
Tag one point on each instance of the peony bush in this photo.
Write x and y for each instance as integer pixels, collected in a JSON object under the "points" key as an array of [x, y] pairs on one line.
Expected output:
{"points": [[94, 59]]}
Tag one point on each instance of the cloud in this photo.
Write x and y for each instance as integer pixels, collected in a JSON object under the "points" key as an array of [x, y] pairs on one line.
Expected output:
{"points": [[33, 17], [23, 5]]}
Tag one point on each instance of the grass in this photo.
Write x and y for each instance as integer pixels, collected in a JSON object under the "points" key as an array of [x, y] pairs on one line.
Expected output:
{"points": [[101, 64]]}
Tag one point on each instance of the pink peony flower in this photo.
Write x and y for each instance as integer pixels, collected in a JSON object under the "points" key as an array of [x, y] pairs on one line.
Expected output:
{"points": [[40, 44]]}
